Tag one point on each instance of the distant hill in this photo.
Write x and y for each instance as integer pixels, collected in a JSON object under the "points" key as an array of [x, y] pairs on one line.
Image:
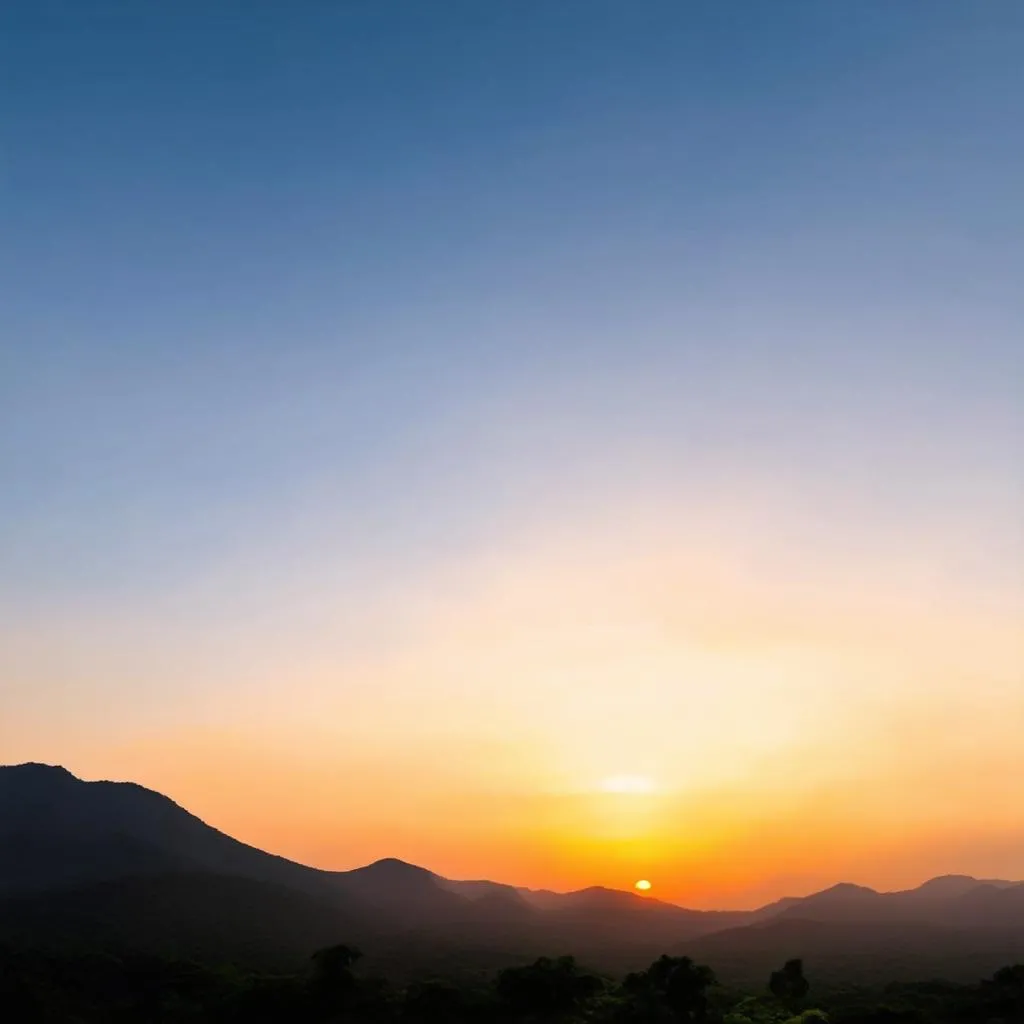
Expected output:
{"points": [[852, 953], [953, 901], [122, 867]]}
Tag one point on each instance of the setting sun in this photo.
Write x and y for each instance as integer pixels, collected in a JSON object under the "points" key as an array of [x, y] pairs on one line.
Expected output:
{"points": [[643, 885]]}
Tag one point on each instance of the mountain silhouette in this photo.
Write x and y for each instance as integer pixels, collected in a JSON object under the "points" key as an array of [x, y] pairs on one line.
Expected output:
{"points": [[56, 830], [120, 866], [952, 900], [956, 885]]}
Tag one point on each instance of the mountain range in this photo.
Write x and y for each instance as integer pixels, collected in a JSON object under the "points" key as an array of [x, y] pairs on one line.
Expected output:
{"points": [[118, 866]]}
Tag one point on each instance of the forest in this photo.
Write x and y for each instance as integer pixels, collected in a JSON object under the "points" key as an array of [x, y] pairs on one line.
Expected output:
{"points": [[39, 987]]}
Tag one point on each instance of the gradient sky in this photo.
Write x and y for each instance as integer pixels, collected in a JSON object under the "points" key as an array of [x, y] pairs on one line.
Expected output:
{"points": [[413, 416]]}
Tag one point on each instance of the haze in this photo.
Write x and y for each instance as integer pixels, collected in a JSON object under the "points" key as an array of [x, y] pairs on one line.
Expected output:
{"points": [[567, 443]]}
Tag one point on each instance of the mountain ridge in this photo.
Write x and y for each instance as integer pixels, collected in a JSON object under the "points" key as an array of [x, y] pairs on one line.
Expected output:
{"points": [[126, 863], [394, 871]]}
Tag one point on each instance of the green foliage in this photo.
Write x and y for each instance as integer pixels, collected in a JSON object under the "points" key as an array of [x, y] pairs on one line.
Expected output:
{"points": [[40, 988], [810, 1017], [756, 1010]]}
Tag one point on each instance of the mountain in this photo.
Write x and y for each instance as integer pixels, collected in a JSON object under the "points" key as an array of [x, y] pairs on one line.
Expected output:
{"points": [[56, 830], [844, 901], [950, 901], [71, 852], [952, 886], [410, 892], [630, 918], [122, 867]]}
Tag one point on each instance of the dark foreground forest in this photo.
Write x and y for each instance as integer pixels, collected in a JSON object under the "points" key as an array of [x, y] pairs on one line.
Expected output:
{"points": [[48, 988]]}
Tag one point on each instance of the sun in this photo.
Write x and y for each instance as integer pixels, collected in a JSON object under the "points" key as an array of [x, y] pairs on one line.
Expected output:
{"points": [[643, 885]]}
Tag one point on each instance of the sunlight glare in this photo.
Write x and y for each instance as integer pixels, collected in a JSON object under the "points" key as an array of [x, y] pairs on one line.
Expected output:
{"points": [[628, 784]]}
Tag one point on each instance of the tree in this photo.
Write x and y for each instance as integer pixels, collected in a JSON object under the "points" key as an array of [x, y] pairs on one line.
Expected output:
{"points": [[547, 988], [1010, 978], [434, 1002], [789, 984], [1008, 987], [672, 983], [333, 984], [335, 961]]}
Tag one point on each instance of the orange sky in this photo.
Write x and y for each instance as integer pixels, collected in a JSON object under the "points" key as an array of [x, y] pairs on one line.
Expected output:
{"points": [[797, 721]]}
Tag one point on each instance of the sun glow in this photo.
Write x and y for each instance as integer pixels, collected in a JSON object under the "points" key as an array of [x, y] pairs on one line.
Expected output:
{"points": [[643, 885], [628, 784]]}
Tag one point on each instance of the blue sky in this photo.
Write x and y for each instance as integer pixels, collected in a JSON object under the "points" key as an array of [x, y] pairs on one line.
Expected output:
{"points": [[301, 302], [248, 247]]}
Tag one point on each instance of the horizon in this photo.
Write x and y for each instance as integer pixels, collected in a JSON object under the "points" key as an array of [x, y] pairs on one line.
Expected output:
{"points": [[645, 893], [578, 443]]}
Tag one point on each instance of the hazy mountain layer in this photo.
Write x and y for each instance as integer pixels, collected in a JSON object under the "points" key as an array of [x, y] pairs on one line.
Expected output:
{"points": [[120, 866]]}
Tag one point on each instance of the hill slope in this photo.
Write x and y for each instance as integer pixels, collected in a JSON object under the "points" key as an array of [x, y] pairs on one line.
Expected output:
{"points": [[122, 866], [58, 831]]}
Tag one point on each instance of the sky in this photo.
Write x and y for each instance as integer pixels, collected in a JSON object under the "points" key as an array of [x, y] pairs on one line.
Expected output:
{"points": [[561, 442]]}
